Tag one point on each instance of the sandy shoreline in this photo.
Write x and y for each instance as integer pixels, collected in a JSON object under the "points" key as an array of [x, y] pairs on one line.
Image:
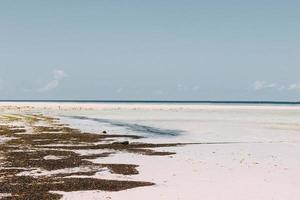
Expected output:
{"points": [[41, 155], [256, 155], [140, 106]]}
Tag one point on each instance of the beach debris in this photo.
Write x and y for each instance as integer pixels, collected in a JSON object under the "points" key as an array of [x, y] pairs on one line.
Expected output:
{"points": [[121, 143], [33, 165]]}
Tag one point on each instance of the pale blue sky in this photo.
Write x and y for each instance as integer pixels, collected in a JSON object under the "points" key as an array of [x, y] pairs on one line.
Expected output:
{"points": [[150, 50]]}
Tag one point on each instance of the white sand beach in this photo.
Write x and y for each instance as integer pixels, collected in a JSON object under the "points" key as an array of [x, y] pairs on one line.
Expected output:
{"points": [[149, 100], [244, 152]]}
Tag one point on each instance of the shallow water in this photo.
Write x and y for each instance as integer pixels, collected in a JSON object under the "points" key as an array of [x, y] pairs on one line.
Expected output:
{"points": [[195, 123]]}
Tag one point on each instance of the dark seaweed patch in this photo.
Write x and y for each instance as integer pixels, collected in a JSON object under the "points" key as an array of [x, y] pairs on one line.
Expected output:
{"points": [[26, 153]]}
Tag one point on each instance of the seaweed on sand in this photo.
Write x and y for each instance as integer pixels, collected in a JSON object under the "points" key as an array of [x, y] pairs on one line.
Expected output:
{"points": [[23, 160]]}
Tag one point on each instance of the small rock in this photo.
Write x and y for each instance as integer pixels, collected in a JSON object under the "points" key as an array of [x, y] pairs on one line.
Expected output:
{"points": [[104, 132], [122, 143]]}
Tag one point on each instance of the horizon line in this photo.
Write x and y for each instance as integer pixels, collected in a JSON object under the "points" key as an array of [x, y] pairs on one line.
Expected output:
{"points": [[157, 101]]}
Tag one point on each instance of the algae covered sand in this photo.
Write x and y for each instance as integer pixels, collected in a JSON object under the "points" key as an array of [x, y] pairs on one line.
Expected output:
{"points": [[38, 155]]}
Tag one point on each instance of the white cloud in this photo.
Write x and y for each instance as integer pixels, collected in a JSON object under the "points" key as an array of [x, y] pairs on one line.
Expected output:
{"points": [[259, 85], [294, 86], [263, 85], [58, 76]]}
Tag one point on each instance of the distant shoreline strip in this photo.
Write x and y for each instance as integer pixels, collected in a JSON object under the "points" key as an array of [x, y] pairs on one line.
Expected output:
{"points": [[158, 101]]}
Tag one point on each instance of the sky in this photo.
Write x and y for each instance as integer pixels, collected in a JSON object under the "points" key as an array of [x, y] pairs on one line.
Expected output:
{"points": [[150, 50]]}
